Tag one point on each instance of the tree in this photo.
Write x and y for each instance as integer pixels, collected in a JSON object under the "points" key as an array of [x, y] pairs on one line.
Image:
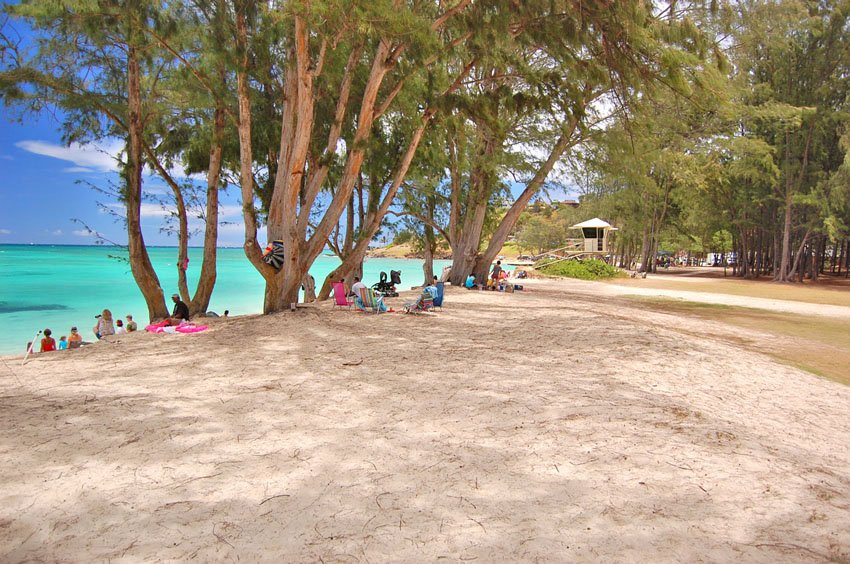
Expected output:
{"points": [[795, 54], [104, 68], [371, 42], [567, 64]]}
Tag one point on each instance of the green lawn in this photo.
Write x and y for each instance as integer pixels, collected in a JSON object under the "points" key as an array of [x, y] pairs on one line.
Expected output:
{"points": [[816, 344]]}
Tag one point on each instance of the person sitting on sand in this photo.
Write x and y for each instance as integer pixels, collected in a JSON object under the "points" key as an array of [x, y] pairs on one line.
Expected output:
{"points": [[358, 302], [63, 343], [348, 293], [104, 325], [431, 289], [470, 282], [355, 288], [379, 299], [74, 337], [131, 325], [48, 343], [180, 313], [119, 328]]}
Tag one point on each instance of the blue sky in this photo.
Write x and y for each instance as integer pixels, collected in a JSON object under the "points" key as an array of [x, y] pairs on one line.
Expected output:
{"points": [[44, 187], [41, 193]]}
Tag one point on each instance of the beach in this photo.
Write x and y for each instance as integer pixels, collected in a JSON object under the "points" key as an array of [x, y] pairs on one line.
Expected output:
{"points": [[558, 423]]}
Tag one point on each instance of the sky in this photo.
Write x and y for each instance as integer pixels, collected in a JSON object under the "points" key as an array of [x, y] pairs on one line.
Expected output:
{"points": [[46, 193], [45, 187]]}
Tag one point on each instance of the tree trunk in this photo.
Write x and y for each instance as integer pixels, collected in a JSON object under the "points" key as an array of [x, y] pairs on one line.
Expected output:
{"points": [[309, 285], [246, 174], [797, 257], [784, 274], [430, 243], [846, 259], [468, 239], [206, 281], [140, 263], [465, 251], [646, 249]]}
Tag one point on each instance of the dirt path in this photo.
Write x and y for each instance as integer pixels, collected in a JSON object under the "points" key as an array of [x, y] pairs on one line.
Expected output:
{"points": [[554, 424]]}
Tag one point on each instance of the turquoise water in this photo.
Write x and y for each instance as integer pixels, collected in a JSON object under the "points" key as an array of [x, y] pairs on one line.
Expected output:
{"points": [[62, 286]]}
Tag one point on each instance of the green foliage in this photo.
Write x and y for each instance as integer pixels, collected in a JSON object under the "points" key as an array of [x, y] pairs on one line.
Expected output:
{"points": [[403, 236], [721, 241], [540, 234], [588, 269], [544, 228]]}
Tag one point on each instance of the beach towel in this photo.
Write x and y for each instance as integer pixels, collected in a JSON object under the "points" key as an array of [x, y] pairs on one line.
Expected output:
{"points": [[164, 327]]}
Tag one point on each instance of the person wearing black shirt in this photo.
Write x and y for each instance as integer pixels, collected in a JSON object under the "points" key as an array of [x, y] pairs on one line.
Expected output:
{"points": [[180, 312]]}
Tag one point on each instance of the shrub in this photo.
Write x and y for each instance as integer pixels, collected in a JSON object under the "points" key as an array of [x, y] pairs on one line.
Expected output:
{"points": [[403, 237], [587, 269]]}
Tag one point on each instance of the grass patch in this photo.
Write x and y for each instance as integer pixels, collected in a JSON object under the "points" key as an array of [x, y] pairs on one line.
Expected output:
{"points": [[808, 293], [588, 269], [817, 345]]}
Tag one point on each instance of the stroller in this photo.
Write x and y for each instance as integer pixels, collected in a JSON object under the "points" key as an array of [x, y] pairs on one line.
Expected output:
{"points": [[385, 288]]}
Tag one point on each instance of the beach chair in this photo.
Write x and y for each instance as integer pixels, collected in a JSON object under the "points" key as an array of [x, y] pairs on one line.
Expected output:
{"points": [[369, 300], [423, 303], [340, 299], [441, 291]]}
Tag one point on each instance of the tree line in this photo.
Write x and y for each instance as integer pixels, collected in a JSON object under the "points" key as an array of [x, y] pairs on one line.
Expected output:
{"points": [[333, 116]]}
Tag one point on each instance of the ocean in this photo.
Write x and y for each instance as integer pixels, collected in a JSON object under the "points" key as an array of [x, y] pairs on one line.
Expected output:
{"points": [[60, 286]]}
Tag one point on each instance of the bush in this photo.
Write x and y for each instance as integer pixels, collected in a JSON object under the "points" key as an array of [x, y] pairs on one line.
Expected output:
{"points": [[587, 269], [403, 237]]}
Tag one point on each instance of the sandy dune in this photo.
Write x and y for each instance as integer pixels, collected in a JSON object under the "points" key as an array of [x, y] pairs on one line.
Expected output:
{"points": [[555, 424]]}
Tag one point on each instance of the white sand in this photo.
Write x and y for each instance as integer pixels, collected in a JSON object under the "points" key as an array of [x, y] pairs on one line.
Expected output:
{"points": [[555, 424]]}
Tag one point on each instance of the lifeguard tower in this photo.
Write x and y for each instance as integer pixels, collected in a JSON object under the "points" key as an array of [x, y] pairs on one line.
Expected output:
{"points": [[594, 241], [595, 235]]}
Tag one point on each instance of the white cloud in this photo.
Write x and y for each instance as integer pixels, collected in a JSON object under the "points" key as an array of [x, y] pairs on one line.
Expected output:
{"points": [[147, 210], [56, 232], [230, 211], [231, 228], [156, 210], [156, 190], [90, 156], [150, 210], [82, 233], [5, 231]]}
